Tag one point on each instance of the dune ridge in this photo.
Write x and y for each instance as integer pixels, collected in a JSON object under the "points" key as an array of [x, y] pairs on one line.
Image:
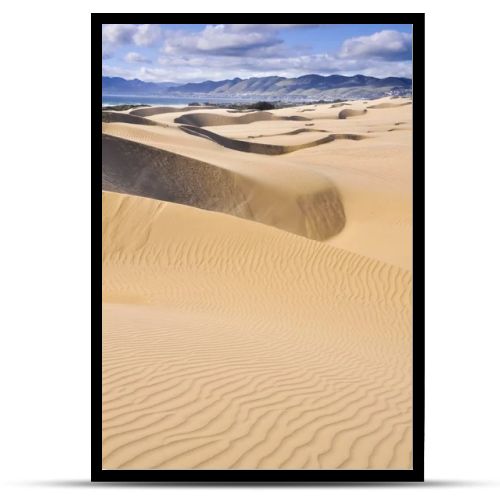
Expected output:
{"points": [[134, 168], [292, 132], [231, 344], [214, 120], [114, 117], [265, 149], [385, 105], [157, 110]]}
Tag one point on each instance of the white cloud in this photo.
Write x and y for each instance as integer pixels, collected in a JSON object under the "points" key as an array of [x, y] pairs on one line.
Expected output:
{"points": [[144, 73], [229, 39], [266, 27], [147, 34], [117, 34], [219, 39], [142, 35], [108, 70], [387, 44], [135, 57]]}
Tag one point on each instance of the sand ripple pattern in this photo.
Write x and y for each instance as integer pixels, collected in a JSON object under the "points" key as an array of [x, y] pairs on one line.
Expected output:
{"points": [[230, 344]]}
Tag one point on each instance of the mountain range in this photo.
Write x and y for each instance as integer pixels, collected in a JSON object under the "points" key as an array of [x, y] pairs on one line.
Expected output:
{"points": [[270, 87]]}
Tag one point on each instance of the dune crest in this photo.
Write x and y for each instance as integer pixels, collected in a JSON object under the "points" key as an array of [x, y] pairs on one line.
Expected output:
{"points": [[214, 120], [266, 149], [114, 117], [292, 132], [386, 105], [157, 110]]}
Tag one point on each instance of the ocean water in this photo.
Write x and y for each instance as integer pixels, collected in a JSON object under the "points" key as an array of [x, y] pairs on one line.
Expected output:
{"points": [[114, 100]]}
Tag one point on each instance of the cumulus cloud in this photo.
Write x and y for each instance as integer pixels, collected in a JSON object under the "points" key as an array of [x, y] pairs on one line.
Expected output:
{"points": [[135, 57], [147, 34], [220, 39], [230, 39], [389, 45], [117, 34], [267, 27], [143, 35]]}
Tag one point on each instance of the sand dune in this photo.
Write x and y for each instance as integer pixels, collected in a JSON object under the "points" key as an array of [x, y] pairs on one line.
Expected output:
{"points": [[231, 344], [347, 113], [372, 177], [257, 308], [214, 119], [134, 168]]}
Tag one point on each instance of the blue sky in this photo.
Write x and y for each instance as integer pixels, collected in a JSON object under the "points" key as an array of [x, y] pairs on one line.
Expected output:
{"points": [[197, 52]]}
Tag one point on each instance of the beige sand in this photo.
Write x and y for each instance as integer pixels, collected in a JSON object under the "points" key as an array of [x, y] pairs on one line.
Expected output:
{"points": [[373, 176], [262, 319]]}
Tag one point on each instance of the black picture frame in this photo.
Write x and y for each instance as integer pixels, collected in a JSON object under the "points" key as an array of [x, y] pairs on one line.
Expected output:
{"points": [[259, 477]]}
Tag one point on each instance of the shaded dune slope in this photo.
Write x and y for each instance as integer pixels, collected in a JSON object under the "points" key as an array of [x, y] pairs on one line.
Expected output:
{"points": [[264, 149], [133, 168], [232, 345], [347, 113], [213, 120], [113, 117]]}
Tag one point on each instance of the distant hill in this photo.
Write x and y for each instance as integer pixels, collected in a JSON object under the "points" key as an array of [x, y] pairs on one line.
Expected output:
{"points": [[271, 87], [120, 86]]}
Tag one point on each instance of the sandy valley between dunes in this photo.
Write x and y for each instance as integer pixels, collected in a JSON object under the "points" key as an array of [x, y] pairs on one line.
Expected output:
{"points": [[257, 287]]}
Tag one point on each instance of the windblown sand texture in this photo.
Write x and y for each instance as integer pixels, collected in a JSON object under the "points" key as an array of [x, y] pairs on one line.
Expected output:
{"points": [[257, 288]]}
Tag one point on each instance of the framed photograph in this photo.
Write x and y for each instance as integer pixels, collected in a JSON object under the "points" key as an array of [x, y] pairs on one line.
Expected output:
{"points": [[261, 214]]}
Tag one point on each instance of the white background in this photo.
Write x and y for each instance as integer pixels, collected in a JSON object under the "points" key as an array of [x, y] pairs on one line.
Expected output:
{"points": [[45, 251]]}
